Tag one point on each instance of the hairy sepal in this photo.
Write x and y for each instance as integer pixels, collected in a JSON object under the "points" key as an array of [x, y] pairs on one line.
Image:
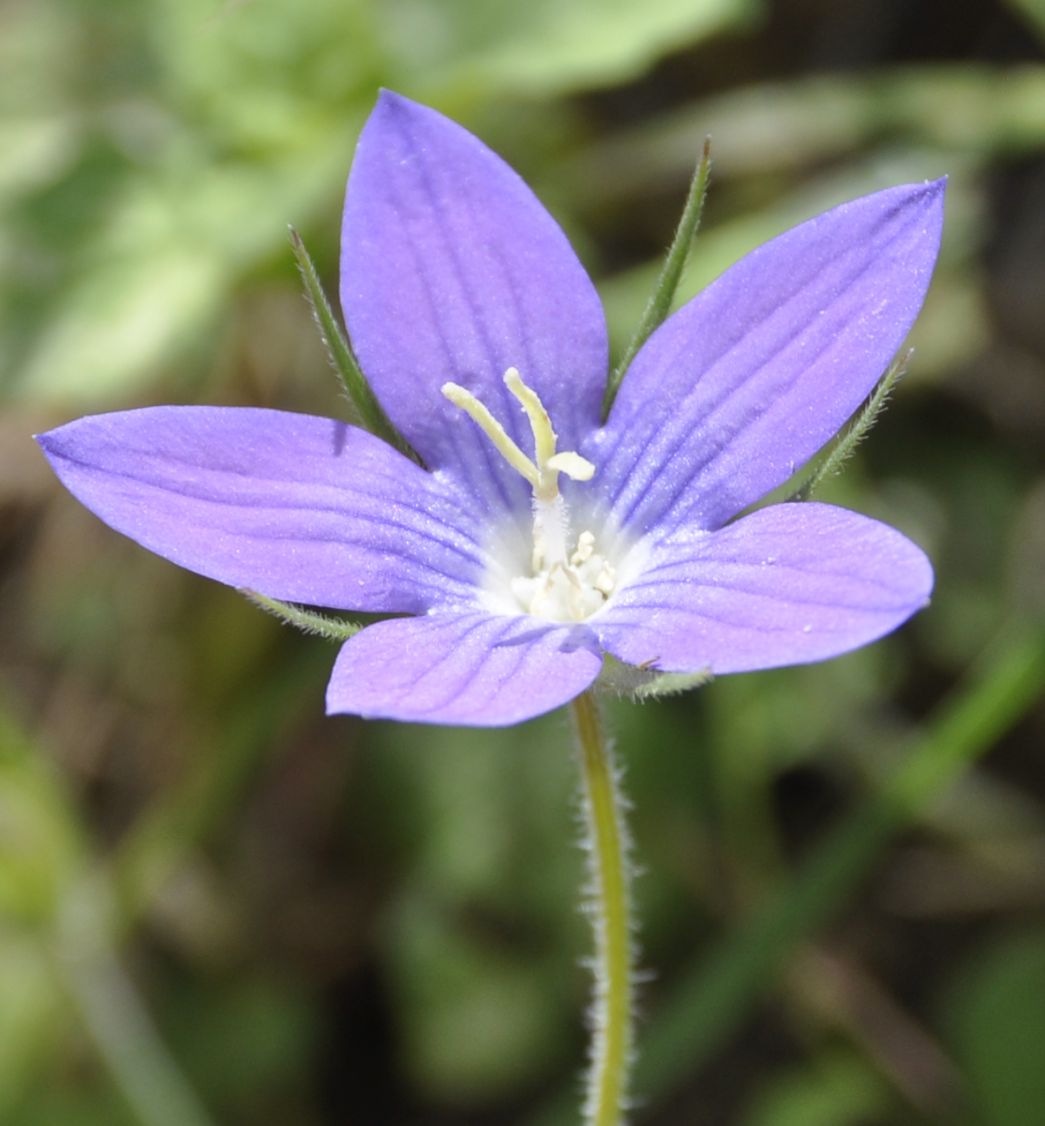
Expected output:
{"points": [[366, 410], [639, 684], [312, 622]]}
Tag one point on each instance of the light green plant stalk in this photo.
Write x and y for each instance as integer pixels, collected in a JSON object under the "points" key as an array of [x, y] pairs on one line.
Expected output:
{"points": [[606, 842]]}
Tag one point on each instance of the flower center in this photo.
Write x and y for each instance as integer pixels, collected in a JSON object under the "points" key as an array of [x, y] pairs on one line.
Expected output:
{"points": [[561, 584]]}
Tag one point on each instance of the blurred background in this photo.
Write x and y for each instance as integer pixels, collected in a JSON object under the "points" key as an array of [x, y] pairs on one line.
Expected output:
{"points": [[218, 906]]}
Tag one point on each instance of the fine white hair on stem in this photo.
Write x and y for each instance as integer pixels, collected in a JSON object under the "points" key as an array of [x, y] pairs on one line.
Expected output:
{"points": [[606, 900]]}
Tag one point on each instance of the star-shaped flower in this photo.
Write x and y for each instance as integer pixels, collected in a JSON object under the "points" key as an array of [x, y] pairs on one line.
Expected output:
{"points": [[535, 540]]}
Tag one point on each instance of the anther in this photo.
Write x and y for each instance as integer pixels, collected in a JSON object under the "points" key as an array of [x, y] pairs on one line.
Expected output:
{"points": [[543, 471], [481, 416]]}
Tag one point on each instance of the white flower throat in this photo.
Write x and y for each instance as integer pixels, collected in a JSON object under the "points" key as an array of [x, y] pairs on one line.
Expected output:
{"points": [[564, 584]]}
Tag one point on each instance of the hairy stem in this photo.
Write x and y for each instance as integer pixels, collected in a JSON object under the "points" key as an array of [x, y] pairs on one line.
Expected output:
{"points": [[607, 845]]}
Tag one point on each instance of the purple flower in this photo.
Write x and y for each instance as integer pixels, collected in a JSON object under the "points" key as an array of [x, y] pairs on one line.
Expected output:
{"points": [[536, 540]]}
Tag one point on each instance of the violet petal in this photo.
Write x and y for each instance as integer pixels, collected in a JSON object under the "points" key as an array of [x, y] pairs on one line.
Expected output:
{"points": [[451, 269], [294, 507], [786, 585], [472, 669], [754, 375]]}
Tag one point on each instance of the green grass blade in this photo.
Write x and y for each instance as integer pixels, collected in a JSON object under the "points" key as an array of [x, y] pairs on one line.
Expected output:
{"points": [[703, 1010], [214, 783], [659, 304], [114, 1017]]}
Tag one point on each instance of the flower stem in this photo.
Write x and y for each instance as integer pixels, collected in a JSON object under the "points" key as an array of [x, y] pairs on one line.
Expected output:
{"points": [[607, 845]]}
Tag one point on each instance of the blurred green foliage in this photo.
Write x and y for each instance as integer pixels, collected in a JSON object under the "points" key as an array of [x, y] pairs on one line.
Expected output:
{"points": [[998, 1027], [158, 148], [218, 906]]}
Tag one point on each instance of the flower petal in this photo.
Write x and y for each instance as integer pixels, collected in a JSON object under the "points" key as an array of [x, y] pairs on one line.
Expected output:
{"points": [[294, 507], [452, 270], [786, 585], [754, 375], [472, 669]]}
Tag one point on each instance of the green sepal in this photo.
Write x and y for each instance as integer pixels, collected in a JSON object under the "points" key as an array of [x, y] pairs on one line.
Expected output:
{"points": [[638, 683], [329, 626], [365, 408], [659, 305], [672, 683], [843, 447]]}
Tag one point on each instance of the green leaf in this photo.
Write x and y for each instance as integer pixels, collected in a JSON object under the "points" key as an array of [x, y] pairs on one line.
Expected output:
{"points": [[131, 230], [546, 46], [365, 407], [40, 846], [33, 1018], [479, 1018], [998, 1026], [111, 323], [659, 305], [1034, 11], [839, 1089]]}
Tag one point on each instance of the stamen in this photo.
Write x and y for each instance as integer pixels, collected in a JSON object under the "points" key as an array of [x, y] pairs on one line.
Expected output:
{"points": [[542, 474], [562, 585], [575, 467], [544, 436], [478, 413], [583, 552]]}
